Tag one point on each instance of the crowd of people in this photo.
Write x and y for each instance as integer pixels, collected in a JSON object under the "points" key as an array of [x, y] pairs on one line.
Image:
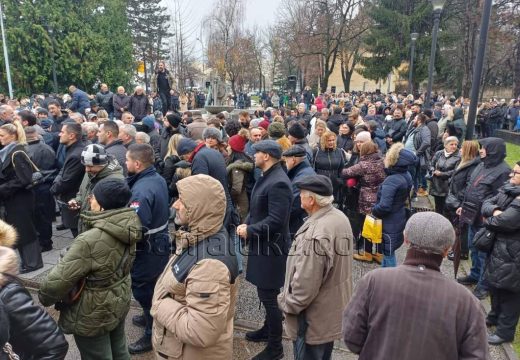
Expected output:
{"points": [[162, 205]]}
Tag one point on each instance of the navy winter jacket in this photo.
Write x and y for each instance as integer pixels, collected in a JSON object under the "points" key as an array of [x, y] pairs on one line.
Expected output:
{"points": [[391, 201]]}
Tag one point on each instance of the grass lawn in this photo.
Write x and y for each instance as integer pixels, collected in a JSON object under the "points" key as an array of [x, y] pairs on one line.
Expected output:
{"points": [[513, 154]]}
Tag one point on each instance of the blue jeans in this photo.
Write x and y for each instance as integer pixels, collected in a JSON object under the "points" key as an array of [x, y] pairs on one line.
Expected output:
{"points": [[412, 169], [478, 259], [389, 261]]}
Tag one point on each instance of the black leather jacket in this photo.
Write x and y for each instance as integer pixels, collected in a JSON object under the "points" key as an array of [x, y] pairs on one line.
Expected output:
{"points": [[34, 335]]}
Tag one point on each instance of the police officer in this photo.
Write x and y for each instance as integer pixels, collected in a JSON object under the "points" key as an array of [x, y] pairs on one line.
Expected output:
{"points": [[150, 201]]}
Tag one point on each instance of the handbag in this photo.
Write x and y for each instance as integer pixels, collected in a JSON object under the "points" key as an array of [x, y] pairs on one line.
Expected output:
{"points": [[37, 175], [373, 229], [74, 294], [484, 240], [451, 202], [469, 213]]}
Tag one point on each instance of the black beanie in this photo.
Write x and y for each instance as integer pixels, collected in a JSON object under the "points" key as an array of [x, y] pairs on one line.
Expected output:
{"points": [[174, 120], [112, 193], [297, 131]]}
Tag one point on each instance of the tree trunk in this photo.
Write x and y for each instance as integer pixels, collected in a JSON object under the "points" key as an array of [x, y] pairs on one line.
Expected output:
{"points": [[145, 73], [516, 70]]}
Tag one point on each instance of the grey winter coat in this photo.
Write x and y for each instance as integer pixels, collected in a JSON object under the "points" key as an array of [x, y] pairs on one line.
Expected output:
{"points": [[120, 102], [440, 184], [118, 151]]}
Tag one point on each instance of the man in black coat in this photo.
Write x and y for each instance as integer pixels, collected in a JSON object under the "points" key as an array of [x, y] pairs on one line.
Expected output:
{"points": [[297, 169], [44, 158], [267, 232], [66, 184], [208, 162], [108, 136], [335, 120]]}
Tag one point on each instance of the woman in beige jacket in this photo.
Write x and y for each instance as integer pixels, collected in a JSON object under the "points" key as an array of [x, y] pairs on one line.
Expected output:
{"points": [[194, 298]]}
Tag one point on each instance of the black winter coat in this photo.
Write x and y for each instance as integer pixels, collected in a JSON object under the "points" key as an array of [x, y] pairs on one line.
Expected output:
{"points": [[489, 175], [446, 165], [5, 328], [434, 133], [396, 129], [345, 142], [170, 166], [334, 122], [458, 182], [268, 229], [211, 162], [105, 100], [330, 163], [33, 333], [165, 137], [18, 201], [67, 182], [503, 268]]}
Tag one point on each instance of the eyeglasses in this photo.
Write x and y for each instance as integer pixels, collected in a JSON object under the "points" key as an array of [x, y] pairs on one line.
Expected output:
{"points": [[513, 173]]}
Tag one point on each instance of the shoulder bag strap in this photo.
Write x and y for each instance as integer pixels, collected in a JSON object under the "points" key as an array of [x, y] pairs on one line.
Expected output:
{"points": [[35, 168]]}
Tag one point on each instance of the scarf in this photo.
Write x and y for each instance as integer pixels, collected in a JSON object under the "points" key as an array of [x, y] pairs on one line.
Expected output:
{"points": [[6, 150]]}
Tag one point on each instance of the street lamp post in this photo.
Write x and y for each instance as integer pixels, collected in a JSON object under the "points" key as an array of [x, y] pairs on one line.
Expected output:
{"points": [[477, 69], [6, 56], [202, 58], [437, 9], [414, 36], [54, 77]]}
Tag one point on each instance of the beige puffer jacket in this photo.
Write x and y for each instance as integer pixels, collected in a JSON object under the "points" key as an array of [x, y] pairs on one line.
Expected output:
{"points": [[194, 319]]}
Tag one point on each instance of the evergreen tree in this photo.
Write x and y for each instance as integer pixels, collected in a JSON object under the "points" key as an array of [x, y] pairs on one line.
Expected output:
{"points": [[388, 41], [89, 41], [149, 24]]}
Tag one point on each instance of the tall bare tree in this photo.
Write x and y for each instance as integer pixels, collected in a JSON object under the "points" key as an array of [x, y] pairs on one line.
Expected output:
{"points": [[320, 35]]}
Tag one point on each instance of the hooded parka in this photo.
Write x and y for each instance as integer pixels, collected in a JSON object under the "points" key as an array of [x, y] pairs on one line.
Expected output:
{"points": [[193, 314]]}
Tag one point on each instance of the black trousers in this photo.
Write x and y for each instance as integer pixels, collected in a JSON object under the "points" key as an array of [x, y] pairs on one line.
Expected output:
{"points": [[317, 352], [505, 312], [273, 315], [440, 201], [165, 99], [44, 214]]}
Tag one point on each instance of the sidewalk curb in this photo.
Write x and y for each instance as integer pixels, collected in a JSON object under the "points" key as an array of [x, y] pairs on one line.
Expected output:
{"points": [[486, 306]]}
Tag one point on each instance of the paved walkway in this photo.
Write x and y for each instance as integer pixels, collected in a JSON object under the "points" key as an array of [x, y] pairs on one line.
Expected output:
{"points": [[249, 313]]}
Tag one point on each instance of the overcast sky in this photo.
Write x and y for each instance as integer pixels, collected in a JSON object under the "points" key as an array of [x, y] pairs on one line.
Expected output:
{"points": [[259, 12]]}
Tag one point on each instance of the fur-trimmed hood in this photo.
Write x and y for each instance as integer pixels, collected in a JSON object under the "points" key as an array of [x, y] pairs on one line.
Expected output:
{"points": [[8, 235], [398, 158], [8, 264]]}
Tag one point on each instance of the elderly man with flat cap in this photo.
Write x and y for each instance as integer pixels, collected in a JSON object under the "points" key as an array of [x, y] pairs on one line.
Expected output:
{"points": [[297, 169], [413, 311], [267, 232], [318, 276]]}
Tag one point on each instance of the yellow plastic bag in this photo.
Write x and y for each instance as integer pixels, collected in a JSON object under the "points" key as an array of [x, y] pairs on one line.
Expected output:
{"points": [[373, 229]]}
